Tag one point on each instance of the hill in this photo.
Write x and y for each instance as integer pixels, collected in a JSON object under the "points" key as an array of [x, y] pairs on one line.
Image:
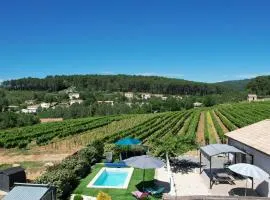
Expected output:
{"points": [[260, 85], [116, 83], [236, 85]]}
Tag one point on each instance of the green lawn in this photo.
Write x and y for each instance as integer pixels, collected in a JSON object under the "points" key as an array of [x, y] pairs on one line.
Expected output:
{"points": [[116, 194]]}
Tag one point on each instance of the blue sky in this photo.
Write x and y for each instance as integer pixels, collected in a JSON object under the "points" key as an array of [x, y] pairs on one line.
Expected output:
{"points": [[210, 40]]}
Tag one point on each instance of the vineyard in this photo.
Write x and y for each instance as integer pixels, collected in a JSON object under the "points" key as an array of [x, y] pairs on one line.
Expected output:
{"points": [[176, 132], [43, 133]]}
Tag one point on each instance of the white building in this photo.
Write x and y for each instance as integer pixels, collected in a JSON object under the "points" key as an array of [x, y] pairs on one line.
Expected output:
{"points": [[73, 101], [145, 96], [177, 97], [30, 109], [158, 95], [252, 97], [74, 95], [13, 108], [129, 95], [45, 105], [254, 140], [164, 98], [197, 104], [106, 102]]}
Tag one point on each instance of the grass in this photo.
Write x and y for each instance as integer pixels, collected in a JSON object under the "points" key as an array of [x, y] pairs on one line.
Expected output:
{"points": [[118, 194], [25, 164]]}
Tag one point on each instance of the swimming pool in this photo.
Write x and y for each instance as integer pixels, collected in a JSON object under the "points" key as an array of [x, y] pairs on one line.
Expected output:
{"points": [[112, 178]]}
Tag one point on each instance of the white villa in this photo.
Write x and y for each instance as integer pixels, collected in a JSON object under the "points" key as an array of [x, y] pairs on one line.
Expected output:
{"points": [[252, 97], [197, 104], [129, 95], [164, 98], [73, 96], [73, 101], [106, 102], [30, 109], [145, 96], [254, 140], [45, 105]]}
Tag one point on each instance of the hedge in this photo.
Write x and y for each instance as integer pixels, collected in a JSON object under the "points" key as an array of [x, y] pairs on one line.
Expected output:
{"points": [[65, 176]]}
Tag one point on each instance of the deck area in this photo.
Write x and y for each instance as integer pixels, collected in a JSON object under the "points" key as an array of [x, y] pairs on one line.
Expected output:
{"points": [[190, 182]]}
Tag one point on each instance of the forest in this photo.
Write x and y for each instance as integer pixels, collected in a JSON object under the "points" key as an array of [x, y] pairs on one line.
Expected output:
{"points": [[260, 85], [116, 83]]}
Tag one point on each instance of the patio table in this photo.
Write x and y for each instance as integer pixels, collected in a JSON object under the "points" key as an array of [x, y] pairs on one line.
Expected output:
{"points": [[222, 177]]}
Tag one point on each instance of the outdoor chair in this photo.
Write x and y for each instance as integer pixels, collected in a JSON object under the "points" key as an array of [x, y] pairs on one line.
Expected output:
{"points": [[117, 165], [140, 195], [155, 190], [108, 157]]}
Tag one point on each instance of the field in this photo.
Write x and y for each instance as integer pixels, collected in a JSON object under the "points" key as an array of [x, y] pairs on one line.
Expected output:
{"points": [[173, 132]]}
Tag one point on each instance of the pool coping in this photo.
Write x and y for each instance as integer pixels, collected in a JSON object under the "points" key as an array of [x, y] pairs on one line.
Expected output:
{"points": [[125, 185]]}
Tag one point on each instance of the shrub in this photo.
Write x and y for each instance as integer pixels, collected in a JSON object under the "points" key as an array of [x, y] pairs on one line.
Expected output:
{"points": [[63, 179], [65, 176], [103, 196], [78, 197]]}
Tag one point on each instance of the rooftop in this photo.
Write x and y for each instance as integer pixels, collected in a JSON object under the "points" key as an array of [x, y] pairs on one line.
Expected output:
{"points": [[12, 170], [27, 192], [256, 136]]}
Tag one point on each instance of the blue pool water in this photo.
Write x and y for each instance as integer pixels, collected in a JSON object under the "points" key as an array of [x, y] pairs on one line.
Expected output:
{"points": [[113, 179]]}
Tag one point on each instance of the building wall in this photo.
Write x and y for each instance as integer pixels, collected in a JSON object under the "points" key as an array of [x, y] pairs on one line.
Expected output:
{"points": [[259, 159]]}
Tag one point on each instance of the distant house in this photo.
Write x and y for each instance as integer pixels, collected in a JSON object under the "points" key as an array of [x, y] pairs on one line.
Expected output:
{"points": [[13, 108], [164, 98], [11, 175], [73, 101], [106, 102], [145, 96], [30, 109], [252, 97], [197, 104], [158, 95], [73, 96], [254, 140], [129, 95], [45, 105], [177, 97], [24, 191]]}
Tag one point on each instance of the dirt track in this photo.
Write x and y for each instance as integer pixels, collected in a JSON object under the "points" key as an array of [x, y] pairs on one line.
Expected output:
{"points": [[200, 130]]}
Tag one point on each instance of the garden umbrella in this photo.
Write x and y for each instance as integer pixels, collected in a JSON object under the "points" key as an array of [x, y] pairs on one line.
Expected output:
{"points": [[144, 162], [128, 142], [249, 170]]}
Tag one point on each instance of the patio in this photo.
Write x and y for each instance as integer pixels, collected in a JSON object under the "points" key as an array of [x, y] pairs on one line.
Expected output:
{"points": [[189, 181]]}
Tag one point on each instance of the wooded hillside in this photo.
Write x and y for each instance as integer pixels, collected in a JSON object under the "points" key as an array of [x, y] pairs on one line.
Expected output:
{"points": [[119, 83]]}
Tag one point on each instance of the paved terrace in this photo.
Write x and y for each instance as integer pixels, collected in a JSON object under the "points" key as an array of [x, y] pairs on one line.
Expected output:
{"points": [[189, 181]]}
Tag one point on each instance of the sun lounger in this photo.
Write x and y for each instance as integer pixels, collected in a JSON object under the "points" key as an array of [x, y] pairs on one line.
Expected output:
{"points": [[118, 165], [140, 195], [155, 190]]}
